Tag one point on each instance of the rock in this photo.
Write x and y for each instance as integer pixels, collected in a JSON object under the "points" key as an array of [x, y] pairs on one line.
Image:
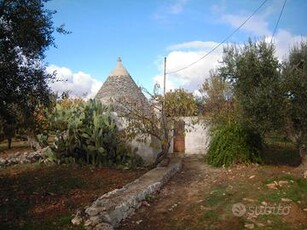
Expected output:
{"points": [[104, 226], [146, 204], [77, 220], [286, 200], [283, 182], [272, 185], [113, 207], [264, 203], [249, 200], [138, 222], [305, 209], [260, 224], [164, 162], [87, 223], [95, 220], [269, 221], [2, 162], [93, 211], [252, 176], [249, 226], [305, 174]]}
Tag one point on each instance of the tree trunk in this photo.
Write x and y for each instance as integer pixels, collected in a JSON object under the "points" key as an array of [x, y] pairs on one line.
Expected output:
{"points": [[9, 141], [162, 155], [302, 154]]}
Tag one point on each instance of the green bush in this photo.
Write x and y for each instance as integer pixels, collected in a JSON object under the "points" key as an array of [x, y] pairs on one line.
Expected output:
{"points": [[232, 144], [88, 133]]}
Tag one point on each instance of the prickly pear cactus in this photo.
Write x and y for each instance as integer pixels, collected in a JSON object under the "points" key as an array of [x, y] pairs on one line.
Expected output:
{"points": [[88, 133]]}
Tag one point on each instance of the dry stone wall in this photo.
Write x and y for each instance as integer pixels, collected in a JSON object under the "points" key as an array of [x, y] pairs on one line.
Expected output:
{"points": [[23, 158], [111, 208]]}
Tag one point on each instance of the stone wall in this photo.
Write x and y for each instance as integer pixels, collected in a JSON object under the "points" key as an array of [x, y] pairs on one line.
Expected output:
{"points": [[111, 208], [23, 158]]}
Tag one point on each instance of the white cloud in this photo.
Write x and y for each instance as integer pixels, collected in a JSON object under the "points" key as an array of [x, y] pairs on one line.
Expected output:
{"points": [[169, 84], [284, 41], [182, 55], [174, 8], [177, 7], [194, 45], [78, 84], [257, 25]]}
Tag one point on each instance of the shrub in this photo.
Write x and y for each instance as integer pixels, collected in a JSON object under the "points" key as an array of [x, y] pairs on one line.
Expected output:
{"points": [[88, 133], [232, 144]]}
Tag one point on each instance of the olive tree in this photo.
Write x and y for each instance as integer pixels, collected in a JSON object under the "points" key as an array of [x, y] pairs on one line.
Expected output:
{"points": [[26, 31], [254, 74], [294, 85]]}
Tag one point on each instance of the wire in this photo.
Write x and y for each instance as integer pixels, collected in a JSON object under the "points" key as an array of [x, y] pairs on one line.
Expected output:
{"points": [[282, 10], [217, 46]]}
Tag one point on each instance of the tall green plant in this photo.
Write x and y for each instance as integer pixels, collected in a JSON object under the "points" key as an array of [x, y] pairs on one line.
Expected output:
{"points": [[253, 72], [231, 144], [88, 132], [294, 83]]}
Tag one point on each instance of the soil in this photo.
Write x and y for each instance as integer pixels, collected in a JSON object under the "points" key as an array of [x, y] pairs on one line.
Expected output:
{"points": [[17, 147], [33, 196], [200, 197], [185, 187]]}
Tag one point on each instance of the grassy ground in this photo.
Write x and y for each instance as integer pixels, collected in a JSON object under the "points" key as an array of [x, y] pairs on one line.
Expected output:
{"points": [[269, 196], [37, 196], [242, 202]]}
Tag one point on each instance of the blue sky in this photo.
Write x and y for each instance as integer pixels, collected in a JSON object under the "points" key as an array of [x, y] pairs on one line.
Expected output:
{"points": [[143, 32]]}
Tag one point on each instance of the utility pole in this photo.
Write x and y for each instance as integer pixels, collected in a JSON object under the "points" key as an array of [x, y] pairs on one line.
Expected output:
{"points": [[165, 141], [164, 76]]}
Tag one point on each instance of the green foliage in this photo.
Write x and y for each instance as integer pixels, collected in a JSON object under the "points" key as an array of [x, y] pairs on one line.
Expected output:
{"points": [[253, 72], [88, 133], [42, 139], [26, 31], [294, 85], [233, 144], [50, 158], [218, 104], [179, 103], [158, 121]]}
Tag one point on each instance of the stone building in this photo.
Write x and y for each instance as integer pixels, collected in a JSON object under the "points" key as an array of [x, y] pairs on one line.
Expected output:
{"points": [[120, 87], [119, 91]]}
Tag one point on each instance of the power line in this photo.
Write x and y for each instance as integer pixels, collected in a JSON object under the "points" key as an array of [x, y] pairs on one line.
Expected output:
{"points": [[217, 46], [280, 14]]}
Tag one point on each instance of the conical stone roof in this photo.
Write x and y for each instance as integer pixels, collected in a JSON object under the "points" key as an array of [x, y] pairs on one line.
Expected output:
{"points": [[120, 87]]}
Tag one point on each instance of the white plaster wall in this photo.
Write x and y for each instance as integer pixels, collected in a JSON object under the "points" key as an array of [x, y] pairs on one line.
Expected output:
{"points": [[148, 150], [197, 138]]}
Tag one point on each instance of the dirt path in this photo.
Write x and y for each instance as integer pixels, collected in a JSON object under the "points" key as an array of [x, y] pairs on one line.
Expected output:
{"points": [[203, 197], [189, 185]]}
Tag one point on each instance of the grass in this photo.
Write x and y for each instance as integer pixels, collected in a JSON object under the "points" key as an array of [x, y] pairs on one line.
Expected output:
{"points": [[215, 209], [35, 196], [296, 190], [280, 151]]}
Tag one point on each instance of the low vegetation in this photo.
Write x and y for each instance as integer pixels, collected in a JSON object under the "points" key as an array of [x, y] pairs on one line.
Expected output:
{"points": [[88, 133], [233, 144], [36, 196], [252, 95]]}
